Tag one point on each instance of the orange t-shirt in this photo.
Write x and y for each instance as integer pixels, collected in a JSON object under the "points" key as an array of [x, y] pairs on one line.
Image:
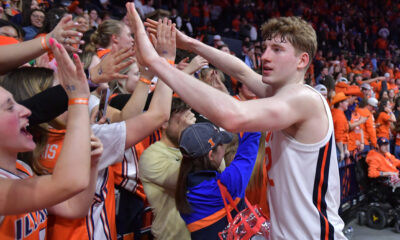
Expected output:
{"points": [[383, 125], [368, 127], [355, 135], [340, 125], [378, 162], [29, 226], [81, 228]]}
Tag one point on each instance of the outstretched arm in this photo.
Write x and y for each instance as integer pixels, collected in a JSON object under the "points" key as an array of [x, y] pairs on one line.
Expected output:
{"points": [[72, 170], [78, 205], [14, 55], [222, 109], [143, 125], [227, 63]]}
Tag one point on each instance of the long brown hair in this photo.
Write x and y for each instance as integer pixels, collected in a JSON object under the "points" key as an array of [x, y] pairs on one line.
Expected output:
{"points": [[189, 165], [257, 174]]}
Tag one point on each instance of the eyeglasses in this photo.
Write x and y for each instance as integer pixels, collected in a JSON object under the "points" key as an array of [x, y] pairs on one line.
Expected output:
{"points": [[38, 16]]}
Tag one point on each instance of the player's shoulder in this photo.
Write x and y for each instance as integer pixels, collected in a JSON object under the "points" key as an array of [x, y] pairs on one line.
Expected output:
{"points": [[300, 94]]}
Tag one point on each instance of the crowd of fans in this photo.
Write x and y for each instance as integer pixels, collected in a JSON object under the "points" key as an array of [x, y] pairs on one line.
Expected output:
{"points": [[356, 68]]}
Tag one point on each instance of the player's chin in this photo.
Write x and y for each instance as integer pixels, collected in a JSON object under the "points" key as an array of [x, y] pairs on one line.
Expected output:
{"points": [[267, 79]]}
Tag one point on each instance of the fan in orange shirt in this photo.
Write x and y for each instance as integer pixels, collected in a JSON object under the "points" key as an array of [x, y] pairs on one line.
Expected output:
{"points": [[340, 124], [366, 109], [382, 164], [385, 118]]}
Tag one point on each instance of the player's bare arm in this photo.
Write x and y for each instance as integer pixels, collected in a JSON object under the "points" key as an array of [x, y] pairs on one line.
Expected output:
{"points": [[227, 63]]}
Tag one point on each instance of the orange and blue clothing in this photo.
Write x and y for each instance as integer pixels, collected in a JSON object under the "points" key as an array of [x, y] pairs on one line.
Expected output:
{"points": [[30, 226], [208, 215]]}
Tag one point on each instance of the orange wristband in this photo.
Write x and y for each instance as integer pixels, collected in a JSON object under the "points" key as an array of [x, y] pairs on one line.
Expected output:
{"points": [[84, 101], [44, 44], [172, 62], [144, 80]]}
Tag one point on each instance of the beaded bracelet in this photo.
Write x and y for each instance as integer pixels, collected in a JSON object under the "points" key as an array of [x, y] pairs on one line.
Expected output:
{"points": [[84, 101], [144, 80]]}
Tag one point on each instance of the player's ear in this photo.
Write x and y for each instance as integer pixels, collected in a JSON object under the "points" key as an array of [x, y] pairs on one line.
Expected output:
{"points": [[304, 59]]}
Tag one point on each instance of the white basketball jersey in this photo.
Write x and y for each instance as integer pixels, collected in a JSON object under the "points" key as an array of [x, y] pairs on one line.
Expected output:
{"points": [[304, 187]]}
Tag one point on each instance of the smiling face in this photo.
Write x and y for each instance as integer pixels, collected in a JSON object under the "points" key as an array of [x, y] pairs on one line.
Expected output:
{"points": [[13, 123], [37, 18], [83, 24]]}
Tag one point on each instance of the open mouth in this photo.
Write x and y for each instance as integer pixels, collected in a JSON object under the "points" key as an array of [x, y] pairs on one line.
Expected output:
{"points": [[25, 132]]}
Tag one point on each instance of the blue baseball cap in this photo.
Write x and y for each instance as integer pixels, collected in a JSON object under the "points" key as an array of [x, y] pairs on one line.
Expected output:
{"points": [[382, 140], [200, 138]]}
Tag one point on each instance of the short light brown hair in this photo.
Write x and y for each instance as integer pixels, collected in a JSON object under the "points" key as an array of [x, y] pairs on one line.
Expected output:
{"points": [[295, 30]]}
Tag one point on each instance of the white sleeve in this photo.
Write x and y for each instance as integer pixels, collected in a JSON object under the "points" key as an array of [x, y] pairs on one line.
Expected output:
{"points": [[113, 137], [93, 102]]}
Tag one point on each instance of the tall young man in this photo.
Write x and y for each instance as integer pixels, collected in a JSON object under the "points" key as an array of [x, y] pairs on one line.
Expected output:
{"points": [[304, 186]]}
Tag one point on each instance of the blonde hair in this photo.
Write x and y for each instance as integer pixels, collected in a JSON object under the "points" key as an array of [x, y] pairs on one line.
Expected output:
{"points": [[295, 30], [102, 36]]}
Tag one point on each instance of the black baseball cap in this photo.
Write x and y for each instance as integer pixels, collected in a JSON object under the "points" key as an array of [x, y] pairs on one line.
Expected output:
{"points": [[198, 139]]}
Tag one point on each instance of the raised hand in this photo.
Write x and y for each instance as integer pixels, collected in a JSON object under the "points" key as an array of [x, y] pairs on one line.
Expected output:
{"points": [[65, 34], [182, 41], [196, 63], [165, 40], [217, 83], [110, 66], [70, 73], [183, 63], [145, 52]]}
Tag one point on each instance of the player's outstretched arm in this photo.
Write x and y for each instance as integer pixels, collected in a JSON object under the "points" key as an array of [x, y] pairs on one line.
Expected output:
{"points": [[229, 64], [275, 113]]}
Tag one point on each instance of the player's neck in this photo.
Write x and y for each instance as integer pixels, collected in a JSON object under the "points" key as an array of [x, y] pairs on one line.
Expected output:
{"points": [[297, 79]]}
